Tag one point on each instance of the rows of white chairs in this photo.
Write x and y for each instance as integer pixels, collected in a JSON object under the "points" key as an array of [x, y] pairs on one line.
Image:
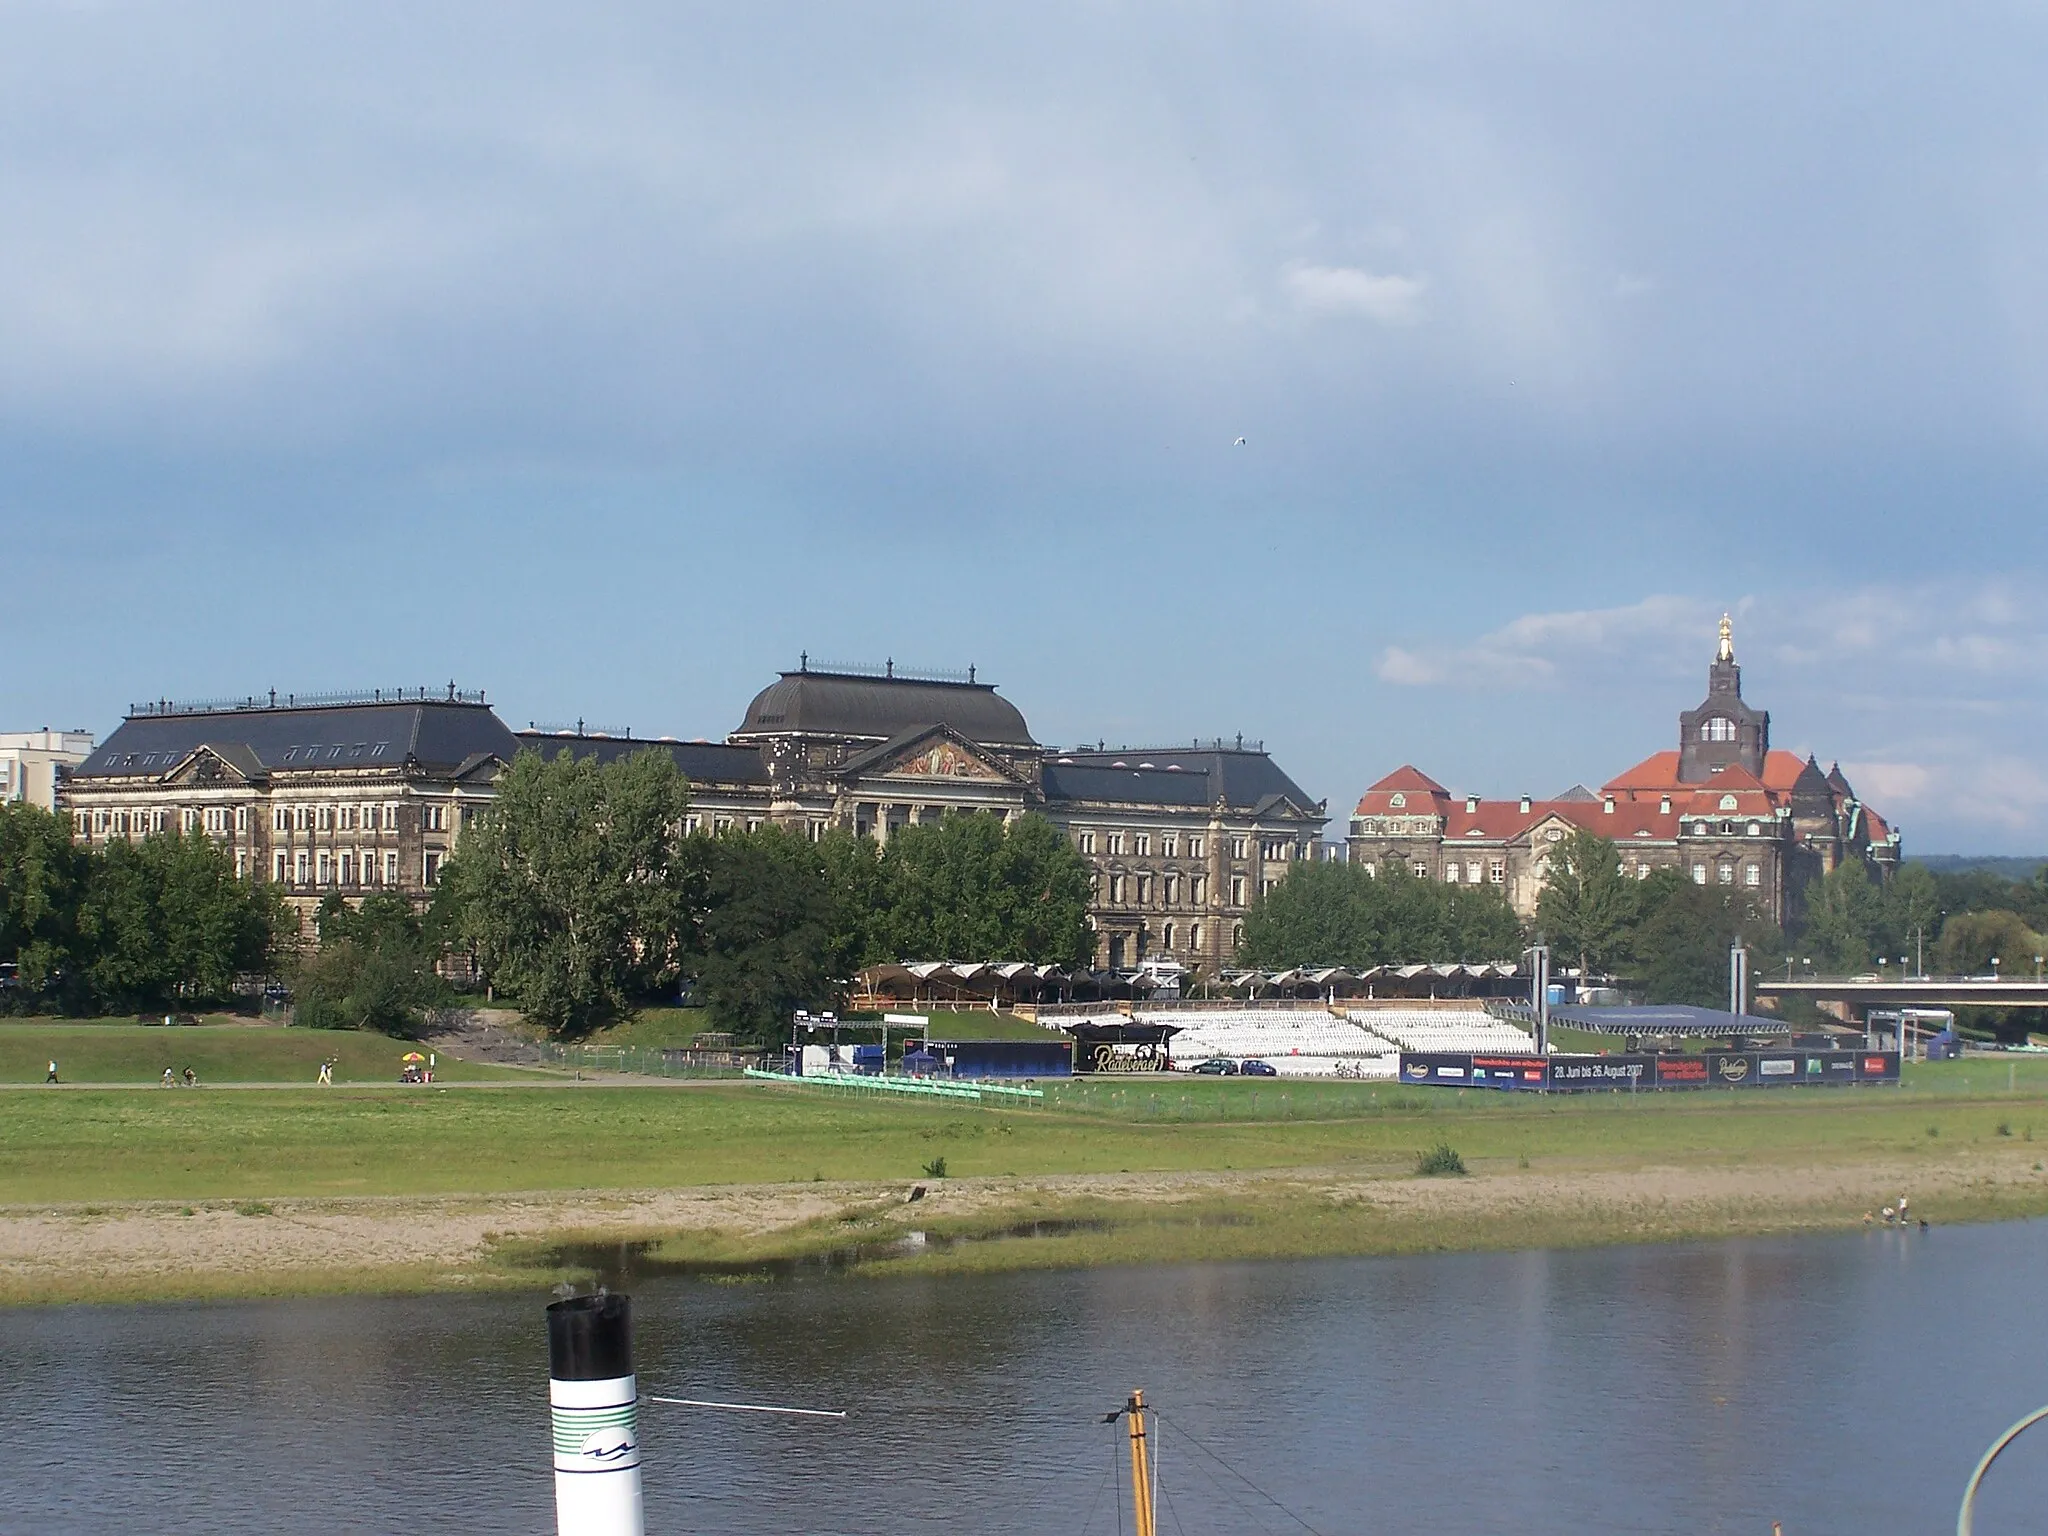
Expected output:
{"points": [[1275, 1035], [1442, 1029]]}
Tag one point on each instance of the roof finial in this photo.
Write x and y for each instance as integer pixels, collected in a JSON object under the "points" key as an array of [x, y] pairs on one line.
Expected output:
{"points": [[803, 661], [889, 667], [1727, 650], [970, 671]]}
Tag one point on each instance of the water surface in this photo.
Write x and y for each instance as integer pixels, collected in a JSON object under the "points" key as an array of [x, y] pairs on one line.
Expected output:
{"points": [[1838, 1384]]}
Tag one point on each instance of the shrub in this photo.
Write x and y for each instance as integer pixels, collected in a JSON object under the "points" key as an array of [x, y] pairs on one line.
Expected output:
{"points": [[935, 1169], [1440, 1159]]}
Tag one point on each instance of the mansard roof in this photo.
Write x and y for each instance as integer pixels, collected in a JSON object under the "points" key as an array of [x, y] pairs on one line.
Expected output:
{"points": [[1408, 777], [1243, 779], [435, 734], [848, 704], [701, 762]]}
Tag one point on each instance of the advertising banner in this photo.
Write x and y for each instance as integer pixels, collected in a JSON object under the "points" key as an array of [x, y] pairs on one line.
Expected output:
{"points": [[1626, 1071]]}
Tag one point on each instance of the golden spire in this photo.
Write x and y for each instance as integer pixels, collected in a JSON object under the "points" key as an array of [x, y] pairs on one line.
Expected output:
{"points": [[1727, 650]]}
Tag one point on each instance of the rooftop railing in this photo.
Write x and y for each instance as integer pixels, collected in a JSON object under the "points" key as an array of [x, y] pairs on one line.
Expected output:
{"points": [[160, 708]]}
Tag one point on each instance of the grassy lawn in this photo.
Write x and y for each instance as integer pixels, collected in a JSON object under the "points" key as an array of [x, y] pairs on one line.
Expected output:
{"points": [[219, 1053], [176, 1145]]}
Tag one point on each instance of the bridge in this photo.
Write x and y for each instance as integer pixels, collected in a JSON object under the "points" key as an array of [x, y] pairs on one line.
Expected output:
{"points": [[1904, 991]]}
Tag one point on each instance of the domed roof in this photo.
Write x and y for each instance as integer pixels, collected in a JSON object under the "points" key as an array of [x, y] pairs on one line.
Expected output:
{"points": [[881, 708]]}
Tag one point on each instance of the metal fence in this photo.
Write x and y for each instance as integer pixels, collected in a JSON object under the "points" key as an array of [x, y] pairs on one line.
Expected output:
{"points": [[643, 1061]]}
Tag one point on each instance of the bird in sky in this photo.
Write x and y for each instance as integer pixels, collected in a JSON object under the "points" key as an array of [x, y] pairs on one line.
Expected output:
{"points": [[1238, 444]]}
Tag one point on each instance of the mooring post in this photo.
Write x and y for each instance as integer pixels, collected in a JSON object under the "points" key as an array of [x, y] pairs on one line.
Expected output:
{"points": [[595, 1404]]}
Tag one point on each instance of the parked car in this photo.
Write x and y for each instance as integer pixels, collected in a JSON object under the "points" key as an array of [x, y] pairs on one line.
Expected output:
{"points": [[1215, 1066], [1258, 1069]]}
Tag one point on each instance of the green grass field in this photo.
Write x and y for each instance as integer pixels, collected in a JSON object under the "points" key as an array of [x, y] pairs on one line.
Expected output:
{"points": [[218, 1052], [172, 1145]]}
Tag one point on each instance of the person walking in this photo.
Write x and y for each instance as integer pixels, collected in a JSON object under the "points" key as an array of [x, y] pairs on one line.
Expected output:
{"points": [[53, 1073], [326, 1074]]}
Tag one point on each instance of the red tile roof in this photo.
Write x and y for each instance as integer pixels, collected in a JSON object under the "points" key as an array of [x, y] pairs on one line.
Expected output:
{"points": [[1408, 776]]}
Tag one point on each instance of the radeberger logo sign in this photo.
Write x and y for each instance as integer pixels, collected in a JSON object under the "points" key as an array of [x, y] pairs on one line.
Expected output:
{"points": [[1734, 1069]]}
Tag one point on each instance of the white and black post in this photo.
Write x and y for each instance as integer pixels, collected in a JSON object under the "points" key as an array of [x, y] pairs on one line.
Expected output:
{"points": [[1738, 979], [595, 1401]]}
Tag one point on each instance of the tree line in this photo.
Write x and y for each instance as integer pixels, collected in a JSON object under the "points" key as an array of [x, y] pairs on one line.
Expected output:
{"points": [[580, 895], [126, 927]]}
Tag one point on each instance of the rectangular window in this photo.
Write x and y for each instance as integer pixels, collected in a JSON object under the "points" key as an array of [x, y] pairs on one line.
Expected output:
{"points": [[1451, 874], [1194, 936], [278, 819], [1237, 845], [299, 870], [391, 869], [1144, 890], [1727, 874], [691, 824], [1172, 889], [1194, 847], [1087, 842], [241, 864], [1198, 888], [1116, 844], [433, 867], [156, 821], [1143, 847], [280, 869], [1116, 890], [1421, 870], [1497, 872], [1472, 873], [1169, 846], [1699, 874], [1752, 875], [1266, 886], [753, 823], [721, 824], [326, 870], [1166, 940], [1237, 890], [347, 866]]}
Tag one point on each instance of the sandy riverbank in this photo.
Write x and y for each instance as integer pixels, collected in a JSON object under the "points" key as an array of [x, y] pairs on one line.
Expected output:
{"points": [[293, 1246]]}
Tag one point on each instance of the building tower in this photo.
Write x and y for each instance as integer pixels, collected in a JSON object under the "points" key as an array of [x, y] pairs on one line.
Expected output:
{"points": [[1722, 731]]}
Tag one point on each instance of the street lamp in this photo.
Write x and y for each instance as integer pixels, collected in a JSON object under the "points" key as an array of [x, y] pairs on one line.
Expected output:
{"points": [[1994, 967]]}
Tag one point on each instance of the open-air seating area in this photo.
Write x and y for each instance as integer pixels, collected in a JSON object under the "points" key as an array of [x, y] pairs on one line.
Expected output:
{"points": [[1441, 1029]]}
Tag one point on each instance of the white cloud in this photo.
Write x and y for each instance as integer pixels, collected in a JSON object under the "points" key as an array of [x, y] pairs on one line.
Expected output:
{"points": [[1551, 649], [1389, 299]]}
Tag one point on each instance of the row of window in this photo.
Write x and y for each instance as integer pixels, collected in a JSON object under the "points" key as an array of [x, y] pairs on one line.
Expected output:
{"points": [[348, 867], [1139, 844], [1169, 888], [139, 823]]}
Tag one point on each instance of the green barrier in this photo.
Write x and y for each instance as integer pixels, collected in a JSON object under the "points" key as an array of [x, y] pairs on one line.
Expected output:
{"points": [[915, 1087]]}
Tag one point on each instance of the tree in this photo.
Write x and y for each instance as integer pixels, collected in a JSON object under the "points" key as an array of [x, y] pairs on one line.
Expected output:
{"points": [[373, 969], [973, 888], [167, 920], [1911, 910], [1680, 950], [1971, 940], [42, 881], [768, 927], [853, 873], [572, 890], [1588, 906], [1845, 918], [1346, 914]]}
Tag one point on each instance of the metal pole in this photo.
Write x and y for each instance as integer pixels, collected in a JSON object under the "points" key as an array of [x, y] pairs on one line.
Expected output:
{"points": [[1539, 968], [594, 1399], [1738, 979], [1141, 1477], [1967, 1515]]}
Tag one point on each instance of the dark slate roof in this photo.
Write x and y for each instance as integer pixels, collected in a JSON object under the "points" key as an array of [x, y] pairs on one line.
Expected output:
{"points": [[701, 762], [839, 704], [1243, 780], [435, 734]]}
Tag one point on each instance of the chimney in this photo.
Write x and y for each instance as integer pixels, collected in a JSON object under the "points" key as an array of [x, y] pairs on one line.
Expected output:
{"points": [[1471, 805], [1608, 808], [1525, 803], [1664, 806]]}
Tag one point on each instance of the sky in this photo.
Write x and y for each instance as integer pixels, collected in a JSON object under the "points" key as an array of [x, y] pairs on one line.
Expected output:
{"points": [[609, 357]]}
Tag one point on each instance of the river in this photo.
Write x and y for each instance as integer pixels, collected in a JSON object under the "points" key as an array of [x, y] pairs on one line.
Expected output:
{"points": [[1837, 1384]]}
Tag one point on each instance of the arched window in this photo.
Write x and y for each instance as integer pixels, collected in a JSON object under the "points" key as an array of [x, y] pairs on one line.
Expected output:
{"points": [[1717, 728]]}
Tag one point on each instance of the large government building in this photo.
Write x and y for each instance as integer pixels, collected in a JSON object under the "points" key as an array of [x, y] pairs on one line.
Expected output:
{"points": [[1724, 807], [355, 794]]}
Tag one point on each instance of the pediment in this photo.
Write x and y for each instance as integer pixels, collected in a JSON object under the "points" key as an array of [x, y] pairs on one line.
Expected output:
{"points": [[211, 765], [934, 753]]}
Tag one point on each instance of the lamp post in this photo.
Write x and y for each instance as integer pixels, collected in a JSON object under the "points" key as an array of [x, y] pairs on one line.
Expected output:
{"points": [[1994, 967]]}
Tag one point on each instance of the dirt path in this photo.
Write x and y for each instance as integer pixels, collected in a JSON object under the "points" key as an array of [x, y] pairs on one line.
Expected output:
{"points": [[67, 1252]]}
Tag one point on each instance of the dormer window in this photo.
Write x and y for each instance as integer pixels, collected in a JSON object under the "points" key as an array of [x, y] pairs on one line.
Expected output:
{"points": [[1717, 728], [1727, 802], [1397, 801], [1664, 806]]}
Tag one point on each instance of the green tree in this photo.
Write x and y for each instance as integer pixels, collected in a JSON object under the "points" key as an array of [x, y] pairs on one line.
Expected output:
{"points": [[373, 969], [1345, 914], [1680, 949], [42, 882], [972, 888], [1588, 907], [1845, 918], [166, 920], [573, 891], [853, 873], [1971, 940], [1911, 910], [768, 929]]}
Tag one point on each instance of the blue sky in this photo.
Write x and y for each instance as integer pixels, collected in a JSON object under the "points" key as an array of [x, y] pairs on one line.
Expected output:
{"points": [[608, 359]]}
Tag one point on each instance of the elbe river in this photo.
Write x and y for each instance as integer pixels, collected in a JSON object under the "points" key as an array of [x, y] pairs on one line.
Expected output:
{"points": [[1836, 1384]]}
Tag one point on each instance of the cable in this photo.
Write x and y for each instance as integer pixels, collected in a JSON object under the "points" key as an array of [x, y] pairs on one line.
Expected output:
{"points": [[1095, 1503], [1226, 1466], [1171, 1507]]}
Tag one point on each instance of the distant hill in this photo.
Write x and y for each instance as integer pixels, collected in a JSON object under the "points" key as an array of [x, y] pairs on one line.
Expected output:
{"points": [[2005, 866]]}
